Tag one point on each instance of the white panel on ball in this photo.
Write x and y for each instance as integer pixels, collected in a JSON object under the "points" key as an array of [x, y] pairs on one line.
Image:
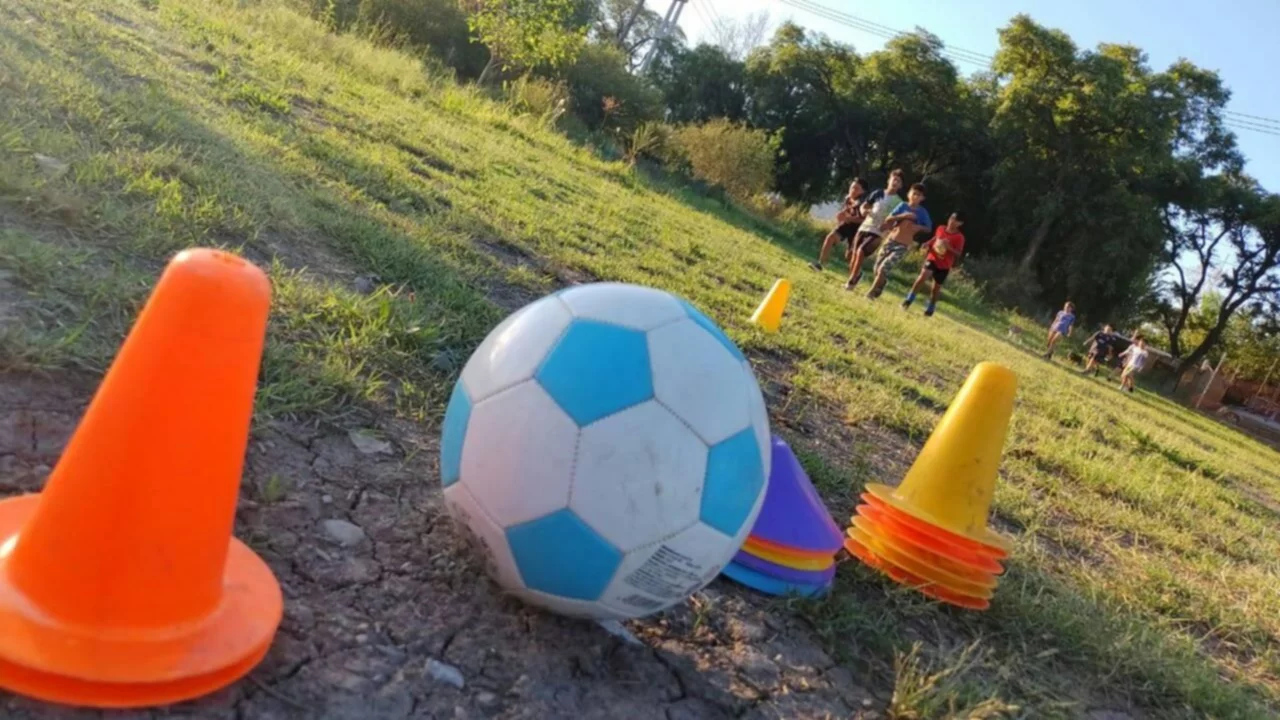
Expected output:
{"points": [[517, 459], [485, 537], [759, 418], [632, 306], [695, 376], [568, 606], [639, 476], [660, 576], [512, 351]]}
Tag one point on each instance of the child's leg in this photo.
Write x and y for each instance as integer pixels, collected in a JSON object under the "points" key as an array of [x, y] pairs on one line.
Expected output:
{"points": [[936, 293], [920, 279], [832, 238]]}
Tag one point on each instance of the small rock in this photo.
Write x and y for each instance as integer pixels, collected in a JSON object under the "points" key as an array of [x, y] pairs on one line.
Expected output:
{"points": [[486, 699], [867, 702], [365, 284], [445, 673], [342, 532], [326, 499], [362, 639], [367, 443], [52, 167]]}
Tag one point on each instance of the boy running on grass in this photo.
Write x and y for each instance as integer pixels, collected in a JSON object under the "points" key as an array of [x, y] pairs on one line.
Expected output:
{"points": [[944, 250], [1135, 360], [869, 234], [908, 220], [1100, 345], [848, 220], [1062, 325]]}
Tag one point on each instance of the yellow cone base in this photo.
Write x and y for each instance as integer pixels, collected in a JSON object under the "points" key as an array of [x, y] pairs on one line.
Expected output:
{"points": [[940, 564]]}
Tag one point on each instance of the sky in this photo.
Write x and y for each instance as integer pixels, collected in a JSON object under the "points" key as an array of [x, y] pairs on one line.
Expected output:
{"points": [[1234, 37]]}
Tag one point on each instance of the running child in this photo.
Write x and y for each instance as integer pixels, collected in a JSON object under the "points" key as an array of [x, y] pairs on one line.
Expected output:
{"points": [[944, 250], [848, 220], [1135, 361], [908, 220], [1101, 345], [869, 234], [1062, 325]]}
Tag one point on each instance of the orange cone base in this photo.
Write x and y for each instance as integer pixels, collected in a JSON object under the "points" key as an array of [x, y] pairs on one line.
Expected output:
{"points": [[126, 669], [902, 557], [987, 539], [996, 551], [752, 544], [903, 577], [895, 527]]}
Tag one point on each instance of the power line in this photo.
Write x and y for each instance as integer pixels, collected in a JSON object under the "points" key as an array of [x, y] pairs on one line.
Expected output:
{"points": [[715, 14], [1255, 118], [871, 29], [1233, 120]]}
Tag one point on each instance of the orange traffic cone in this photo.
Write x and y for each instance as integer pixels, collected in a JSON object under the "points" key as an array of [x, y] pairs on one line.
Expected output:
{"points": [[931, 531], [769, 315], [120, 584]]}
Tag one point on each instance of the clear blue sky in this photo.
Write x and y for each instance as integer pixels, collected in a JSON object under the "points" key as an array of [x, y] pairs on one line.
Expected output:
{"points": [[1235, 37]]}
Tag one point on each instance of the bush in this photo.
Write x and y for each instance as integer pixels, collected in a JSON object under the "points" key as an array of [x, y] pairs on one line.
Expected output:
{"points": [[735, 157], [605, 95], [546, 100], [437, 26], [649, 140], [1001, 281]]}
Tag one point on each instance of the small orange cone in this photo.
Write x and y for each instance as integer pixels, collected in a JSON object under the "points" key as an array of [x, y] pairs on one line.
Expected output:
{"points": [[120, 584], [769, 315], [931, 531]]}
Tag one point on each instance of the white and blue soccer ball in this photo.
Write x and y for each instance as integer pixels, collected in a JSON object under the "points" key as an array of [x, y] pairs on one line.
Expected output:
{"points": [[608, 449]]}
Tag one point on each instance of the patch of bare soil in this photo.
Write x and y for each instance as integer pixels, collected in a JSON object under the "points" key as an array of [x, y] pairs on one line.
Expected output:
{"points": [[388, 616]]}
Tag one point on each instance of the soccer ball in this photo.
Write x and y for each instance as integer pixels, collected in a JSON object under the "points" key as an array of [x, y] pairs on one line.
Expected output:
{"points": [[607, 448]]}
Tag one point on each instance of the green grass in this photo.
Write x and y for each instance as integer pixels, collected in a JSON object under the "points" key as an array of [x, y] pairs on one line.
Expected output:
{"points": [[1145, 569]]}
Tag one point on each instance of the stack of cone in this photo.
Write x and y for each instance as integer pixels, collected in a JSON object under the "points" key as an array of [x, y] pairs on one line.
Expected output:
{"points": [[931, 531], [792, 546], [120, 584], [768, 316]]}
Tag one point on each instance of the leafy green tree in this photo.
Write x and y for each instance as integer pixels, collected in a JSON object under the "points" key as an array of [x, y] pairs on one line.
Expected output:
{"points": [[526, 33], [701, 84]]}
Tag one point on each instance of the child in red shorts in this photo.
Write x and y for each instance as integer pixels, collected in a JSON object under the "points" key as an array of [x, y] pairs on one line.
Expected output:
{"points": [[944, 250]]}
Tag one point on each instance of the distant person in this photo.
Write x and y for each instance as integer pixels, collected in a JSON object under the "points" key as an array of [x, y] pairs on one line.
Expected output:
{"points": [[908, 220], [1101, 345], [869, 234], [848, 220], [1135, 361], [944, 250], [1062, 325]]}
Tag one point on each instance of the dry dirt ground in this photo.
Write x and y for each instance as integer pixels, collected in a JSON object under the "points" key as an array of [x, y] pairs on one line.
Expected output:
{"points": [[398, 621]]}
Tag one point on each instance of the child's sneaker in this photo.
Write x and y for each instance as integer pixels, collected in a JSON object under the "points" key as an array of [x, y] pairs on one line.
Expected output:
{"points": [[816, 266], [906, 302], [928, 311]]}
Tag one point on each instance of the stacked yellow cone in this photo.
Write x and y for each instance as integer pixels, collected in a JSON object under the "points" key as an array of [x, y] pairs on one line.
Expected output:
{"points": [[931, 531]]}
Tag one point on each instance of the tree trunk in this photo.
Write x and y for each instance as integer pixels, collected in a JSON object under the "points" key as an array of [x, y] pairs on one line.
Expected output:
{"points": [[1037, 242], [488, 69], [1210, 340]]}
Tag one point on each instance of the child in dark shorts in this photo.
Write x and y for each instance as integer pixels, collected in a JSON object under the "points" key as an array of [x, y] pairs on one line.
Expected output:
{"points": [[1101, 345], [849, 219], [944, 249]]}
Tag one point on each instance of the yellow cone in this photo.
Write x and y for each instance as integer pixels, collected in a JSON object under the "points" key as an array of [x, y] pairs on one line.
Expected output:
{"points": [[953, 479], [769, 315]]}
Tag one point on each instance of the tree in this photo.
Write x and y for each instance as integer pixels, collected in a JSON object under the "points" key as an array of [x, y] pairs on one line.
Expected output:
{"points": [[701, 84], [801, 85], [633, 27], [737, 38], [526, 33], [1249, 270]]}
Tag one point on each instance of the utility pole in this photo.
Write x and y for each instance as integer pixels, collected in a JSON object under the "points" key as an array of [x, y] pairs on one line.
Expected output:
{"points": [[1209, 384], [1266, 380], [669, 22]]}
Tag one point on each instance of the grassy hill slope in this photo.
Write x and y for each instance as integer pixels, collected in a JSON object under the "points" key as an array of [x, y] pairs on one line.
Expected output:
{"points": [[402, 215]]}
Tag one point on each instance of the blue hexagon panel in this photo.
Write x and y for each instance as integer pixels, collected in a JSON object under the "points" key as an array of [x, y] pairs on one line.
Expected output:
{"points": [[596, 370], [710, 326], [456, 417], [562, 556], [735, 478]]}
